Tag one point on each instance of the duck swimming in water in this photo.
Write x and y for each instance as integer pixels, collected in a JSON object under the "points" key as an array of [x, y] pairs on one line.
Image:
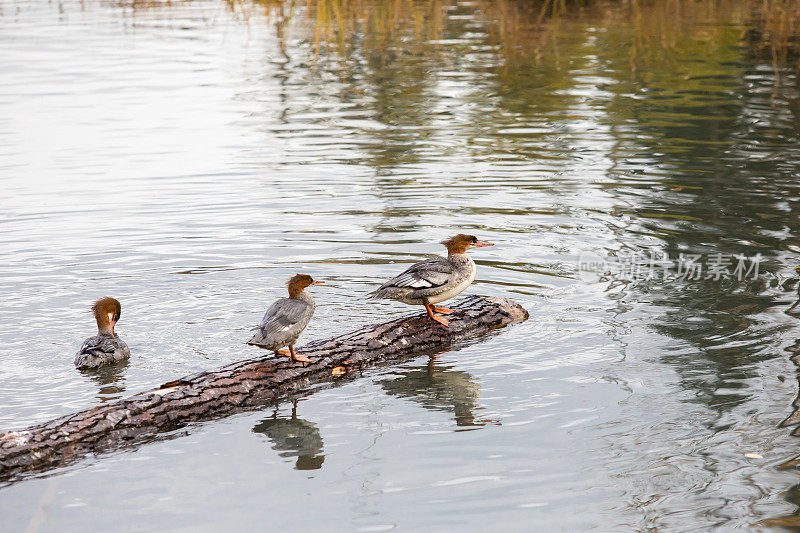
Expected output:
{"points": [[436, 279], [286, 319], [104, 348]]}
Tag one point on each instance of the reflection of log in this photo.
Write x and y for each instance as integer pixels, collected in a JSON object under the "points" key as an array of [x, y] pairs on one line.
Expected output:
{"points": [[240, 386]]}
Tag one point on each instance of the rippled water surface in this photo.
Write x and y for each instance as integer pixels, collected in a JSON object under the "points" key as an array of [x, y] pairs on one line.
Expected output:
{"points": [[189, 158]]}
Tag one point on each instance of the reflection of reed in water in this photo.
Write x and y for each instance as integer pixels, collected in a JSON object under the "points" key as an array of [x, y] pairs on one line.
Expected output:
{"points": [[110, 379], [527, 28], [438, 388], [294, 437]]}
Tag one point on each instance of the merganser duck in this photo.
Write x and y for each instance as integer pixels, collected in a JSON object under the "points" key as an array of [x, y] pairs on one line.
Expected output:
{"points": [[104, 348], [436, 279], [286, 319]]}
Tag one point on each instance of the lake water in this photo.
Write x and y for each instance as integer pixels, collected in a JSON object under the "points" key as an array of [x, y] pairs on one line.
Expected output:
{"points": [[189, 158]]}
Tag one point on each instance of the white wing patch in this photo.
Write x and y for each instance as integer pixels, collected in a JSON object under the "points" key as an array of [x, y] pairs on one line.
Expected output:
{"points": [[425, 275], [285, 328]]}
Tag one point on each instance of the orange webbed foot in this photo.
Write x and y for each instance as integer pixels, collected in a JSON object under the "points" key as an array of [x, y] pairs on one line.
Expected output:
{"points": [[429, 308], [284, 352], [298, 357], [440, 320], [443, 310]]}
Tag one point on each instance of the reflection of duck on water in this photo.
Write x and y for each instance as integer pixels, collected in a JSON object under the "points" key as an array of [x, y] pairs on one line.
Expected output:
{"points": [[110, 379], [440, 389], [294, 437]]}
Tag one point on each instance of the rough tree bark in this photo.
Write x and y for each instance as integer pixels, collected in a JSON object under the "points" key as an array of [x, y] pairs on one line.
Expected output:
{"points": [[241, 386]]}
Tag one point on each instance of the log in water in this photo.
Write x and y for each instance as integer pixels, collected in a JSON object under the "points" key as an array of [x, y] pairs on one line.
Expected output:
{"points": [[241, 386]]}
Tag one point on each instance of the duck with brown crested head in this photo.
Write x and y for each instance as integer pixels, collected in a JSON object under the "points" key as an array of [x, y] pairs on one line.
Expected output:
{"points": [[105, 348], [436, 279], [286, 319]]}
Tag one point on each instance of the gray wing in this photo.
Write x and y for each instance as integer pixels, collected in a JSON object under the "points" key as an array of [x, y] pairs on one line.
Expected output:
{"points": [[284, 319], [101, 350], [429, 274], [97, 346]]}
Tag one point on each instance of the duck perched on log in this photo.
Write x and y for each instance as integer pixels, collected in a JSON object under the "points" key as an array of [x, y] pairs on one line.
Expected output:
{"points": [[105, 348], [436, 279], [286, 319], [242, 386]]}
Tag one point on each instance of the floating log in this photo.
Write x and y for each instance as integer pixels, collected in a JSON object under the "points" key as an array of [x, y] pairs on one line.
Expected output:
{"points": [[241, 386]]}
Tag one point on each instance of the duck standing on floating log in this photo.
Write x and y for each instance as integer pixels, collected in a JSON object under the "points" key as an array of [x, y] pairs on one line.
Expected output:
{"points": [[286, 319], [436, 279], [104, 348]]}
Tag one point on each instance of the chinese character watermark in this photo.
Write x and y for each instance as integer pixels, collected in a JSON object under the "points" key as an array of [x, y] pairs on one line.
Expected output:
{"points": [[657, 265]]}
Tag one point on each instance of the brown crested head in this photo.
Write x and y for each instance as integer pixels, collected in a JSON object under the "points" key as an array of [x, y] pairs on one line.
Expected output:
{"points": [[458, 244], [106, 311], [298, 282]]}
